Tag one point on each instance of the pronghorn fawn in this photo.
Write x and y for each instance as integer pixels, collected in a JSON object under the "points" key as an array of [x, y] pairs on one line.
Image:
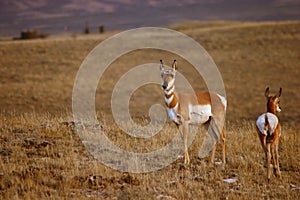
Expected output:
{"points": [[193, 108], [269, 131]]}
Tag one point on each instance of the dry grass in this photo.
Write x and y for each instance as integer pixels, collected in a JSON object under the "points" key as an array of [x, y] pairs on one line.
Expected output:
{"points": [[42, 156]]}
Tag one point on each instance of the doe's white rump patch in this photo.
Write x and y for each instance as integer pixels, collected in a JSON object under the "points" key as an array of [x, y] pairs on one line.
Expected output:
{"points": [[223, 100], [272, 119], [199, 113]]}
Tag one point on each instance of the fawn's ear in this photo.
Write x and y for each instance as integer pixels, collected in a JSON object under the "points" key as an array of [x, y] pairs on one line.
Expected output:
{"points": [[174, 65], [279, 93], [267, 92]]}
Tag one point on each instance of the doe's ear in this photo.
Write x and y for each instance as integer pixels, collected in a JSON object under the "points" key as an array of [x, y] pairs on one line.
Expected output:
{"points": [[279, 93], [267, 92], [161, 66], [174, 65]]}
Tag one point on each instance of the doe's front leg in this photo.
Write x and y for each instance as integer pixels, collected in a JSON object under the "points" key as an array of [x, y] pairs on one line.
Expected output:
{"points": [[185, 134]]}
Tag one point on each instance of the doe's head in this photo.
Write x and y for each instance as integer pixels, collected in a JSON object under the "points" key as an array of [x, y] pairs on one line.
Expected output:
{"points": [[168, 75], [273, 101]]}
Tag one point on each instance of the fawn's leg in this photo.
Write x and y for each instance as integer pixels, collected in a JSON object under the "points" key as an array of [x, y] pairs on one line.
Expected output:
{"points": [[277, 159], [268, 160]]}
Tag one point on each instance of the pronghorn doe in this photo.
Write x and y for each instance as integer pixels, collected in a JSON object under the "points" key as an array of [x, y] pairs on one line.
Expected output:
{"points": [[269, 131], [183, 109]]}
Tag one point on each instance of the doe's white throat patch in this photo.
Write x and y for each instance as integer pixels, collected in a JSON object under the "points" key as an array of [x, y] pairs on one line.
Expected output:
{"points": [[170, 91], [169, 100], [172, 113]]}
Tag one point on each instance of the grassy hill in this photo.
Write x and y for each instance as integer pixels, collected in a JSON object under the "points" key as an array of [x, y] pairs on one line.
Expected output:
{"points": [[42, 156]]}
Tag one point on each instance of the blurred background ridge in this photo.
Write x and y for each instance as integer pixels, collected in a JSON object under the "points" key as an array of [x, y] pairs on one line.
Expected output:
{"points": [[71, 16]]}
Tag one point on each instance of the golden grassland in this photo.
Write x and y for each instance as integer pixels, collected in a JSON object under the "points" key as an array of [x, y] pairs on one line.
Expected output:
{"points": [[43, 157]]}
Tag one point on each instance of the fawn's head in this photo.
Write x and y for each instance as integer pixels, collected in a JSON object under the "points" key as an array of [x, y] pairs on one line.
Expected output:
{"points": [[273, 101], [168, 75]]}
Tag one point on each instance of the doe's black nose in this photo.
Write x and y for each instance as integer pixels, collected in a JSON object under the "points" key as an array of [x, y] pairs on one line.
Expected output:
{"points": [[164, 86]]}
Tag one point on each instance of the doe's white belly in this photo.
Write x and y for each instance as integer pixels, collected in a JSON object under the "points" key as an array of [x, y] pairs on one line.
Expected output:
{"points": [[199, 113]]}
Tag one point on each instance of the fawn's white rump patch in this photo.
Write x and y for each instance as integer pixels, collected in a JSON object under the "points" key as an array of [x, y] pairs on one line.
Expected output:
{"points": [[199, 113], [272, 119]]}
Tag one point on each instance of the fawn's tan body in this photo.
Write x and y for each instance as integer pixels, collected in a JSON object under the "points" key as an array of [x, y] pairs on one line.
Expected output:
{"points": [[192, 108], [269, 131]]}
